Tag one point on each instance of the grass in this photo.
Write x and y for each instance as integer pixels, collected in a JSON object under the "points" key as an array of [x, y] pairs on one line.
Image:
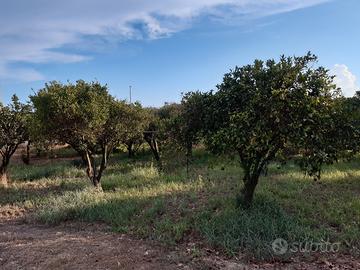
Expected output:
{"points": [[173, 208]]}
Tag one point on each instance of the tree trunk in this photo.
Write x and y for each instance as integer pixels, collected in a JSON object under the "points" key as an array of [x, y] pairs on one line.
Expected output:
{"points": [[130, 150], [83, 159], [96, 183], [246, 195], [105, 152], [189, 151], [248, 192], [155, 150], [188, 158], [3, 179], [91, 168], [6, 156], [92, 172], [81, 153], [3, 173], [26, 157]]}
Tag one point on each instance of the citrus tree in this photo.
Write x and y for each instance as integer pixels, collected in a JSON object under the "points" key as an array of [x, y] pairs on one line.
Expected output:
{"points": [[13, 132], [136, 123], [260, 109], [85, 116]]}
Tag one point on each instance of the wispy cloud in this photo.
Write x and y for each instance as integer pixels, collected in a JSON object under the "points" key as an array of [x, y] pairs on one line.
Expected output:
{"points": [[36, 31]]}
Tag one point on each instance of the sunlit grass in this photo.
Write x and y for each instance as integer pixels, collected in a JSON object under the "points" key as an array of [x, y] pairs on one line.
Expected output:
{"points": [[172, 205]]}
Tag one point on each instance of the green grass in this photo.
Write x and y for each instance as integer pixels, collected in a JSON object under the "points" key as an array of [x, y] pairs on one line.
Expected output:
{"points": [[172, 207], [60, 169]]}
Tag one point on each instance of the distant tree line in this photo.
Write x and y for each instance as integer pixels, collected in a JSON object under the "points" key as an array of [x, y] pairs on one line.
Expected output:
{"points": [[260, 112]]}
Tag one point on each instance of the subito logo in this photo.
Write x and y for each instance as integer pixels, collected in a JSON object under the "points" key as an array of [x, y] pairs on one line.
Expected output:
{"points": [[280, 246]]}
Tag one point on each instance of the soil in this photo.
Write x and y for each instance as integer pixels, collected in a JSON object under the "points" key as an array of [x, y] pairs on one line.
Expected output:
{"points": [[75, 246], [93, 246]]}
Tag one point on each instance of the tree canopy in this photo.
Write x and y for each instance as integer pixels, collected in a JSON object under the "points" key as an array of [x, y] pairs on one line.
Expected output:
{"points": [[13, 132], [85, 116], [261, 108], [258, 112]]}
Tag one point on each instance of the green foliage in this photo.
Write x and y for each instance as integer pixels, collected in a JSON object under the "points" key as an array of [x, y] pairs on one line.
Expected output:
{"points": [[264, 112], [73, 114], [85, 116], [351, 109], [262, 108], [13, 132], [186, 126], [171, 209], [156, 132], [136, 122]]}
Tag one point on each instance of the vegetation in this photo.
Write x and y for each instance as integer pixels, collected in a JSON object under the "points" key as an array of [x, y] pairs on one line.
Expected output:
{"points": [[263, 108], [13, 132], [173, 209], [137, 122], [84, 116], [269, 117]]}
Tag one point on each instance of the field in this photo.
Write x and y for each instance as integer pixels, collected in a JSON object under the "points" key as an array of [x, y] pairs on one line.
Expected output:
{"points": [[194, 213]]}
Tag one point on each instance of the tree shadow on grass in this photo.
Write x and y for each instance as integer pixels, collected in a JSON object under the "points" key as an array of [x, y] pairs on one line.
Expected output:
{"points": [[20, 193], [176, 216], [61, 169]]}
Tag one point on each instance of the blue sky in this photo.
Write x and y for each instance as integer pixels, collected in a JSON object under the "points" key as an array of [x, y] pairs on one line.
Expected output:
{"points": [[163, 48]]}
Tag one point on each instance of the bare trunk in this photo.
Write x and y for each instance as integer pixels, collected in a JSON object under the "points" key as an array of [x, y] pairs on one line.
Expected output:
{"points": [[130, 150], [155, 150], [83, 158], [252, 170], [96, 183], [6, 156], [250, 181], [92, 172], [3, 179], [91, 168], [26, 156], [105, 152], [189, 151], [188, 158], [247, 192]]}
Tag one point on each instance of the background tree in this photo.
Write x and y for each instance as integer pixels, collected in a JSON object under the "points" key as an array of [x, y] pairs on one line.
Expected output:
{"points": [[184, 125], [351, 112], [86, 117], [159, 131], [261, 108], [137, 122], [151, 134], [191, 119], [39, 139], [13, 132]]}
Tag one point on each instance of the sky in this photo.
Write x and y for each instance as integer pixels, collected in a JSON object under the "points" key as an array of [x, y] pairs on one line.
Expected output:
{"points": [[163, 48]]}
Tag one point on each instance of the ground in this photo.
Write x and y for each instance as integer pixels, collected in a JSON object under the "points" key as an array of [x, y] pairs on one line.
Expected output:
{"points": [[88, 246], [72, 246], [50, 220]]}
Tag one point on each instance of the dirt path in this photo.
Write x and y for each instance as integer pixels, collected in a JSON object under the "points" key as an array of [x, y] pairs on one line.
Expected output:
{"points": [[83, 246], [76, 246]]}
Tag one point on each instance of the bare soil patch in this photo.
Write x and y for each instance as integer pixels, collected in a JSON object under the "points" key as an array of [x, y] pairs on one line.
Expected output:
{"points": [[93, 246], [75, 246], [42, 160]]}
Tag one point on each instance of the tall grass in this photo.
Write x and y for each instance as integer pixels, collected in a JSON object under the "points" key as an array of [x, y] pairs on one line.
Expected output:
{"points": [[172, 206]]}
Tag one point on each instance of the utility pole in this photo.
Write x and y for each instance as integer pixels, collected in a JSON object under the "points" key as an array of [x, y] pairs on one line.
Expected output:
{"points": [[130, 92]]}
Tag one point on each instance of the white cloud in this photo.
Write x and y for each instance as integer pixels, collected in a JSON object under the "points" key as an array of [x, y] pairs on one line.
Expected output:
{"points": [[345, 79], [35, 31], [26, 74]]}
